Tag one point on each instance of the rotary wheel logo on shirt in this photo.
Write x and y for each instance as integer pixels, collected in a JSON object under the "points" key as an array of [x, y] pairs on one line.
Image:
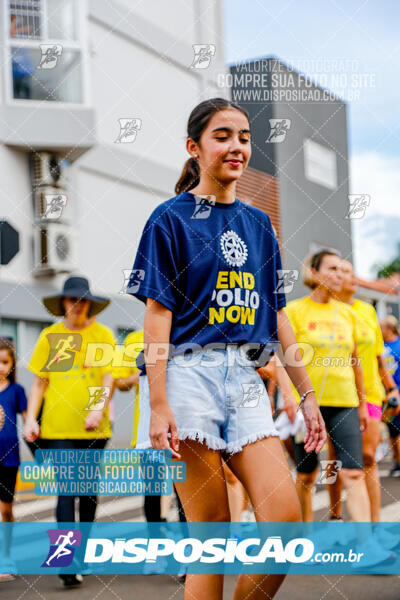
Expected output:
{"points": [[233, 248]]}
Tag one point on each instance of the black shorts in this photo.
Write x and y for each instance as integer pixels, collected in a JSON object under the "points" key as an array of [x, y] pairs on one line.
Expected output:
{"points": [[8, 477], [343, 427], [394, 427]]}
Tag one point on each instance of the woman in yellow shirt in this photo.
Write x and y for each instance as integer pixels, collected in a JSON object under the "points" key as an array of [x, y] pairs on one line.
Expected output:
{"points": [[127, 377], [377, 383], [75, 413], [325, 331]]}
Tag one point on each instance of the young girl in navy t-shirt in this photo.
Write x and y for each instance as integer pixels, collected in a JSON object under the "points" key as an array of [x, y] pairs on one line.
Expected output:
{"points": [[208, 269]]}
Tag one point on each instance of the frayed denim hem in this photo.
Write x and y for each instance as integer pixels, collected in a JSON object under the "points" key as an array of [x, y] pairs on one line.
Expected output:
{"points": [[214, 443], [211, 441], [233, 447]]}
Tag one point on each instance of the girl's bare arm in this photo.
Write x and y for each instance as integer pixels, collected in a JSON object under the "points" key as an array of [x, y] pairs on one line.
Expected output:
{"points": [[157, 330], [31, 427]]}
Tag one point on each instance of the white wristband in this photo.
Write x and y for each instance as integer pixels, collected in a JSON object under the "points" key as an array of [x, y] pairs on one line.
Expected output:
{"points": [[304, 396]]}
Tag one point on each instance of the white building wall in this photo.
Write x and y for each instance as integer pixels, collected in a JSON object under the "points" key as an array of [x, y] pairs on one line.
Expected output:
{"points": [[138, 66], [110, 225], [179, 17], [131, 79]]}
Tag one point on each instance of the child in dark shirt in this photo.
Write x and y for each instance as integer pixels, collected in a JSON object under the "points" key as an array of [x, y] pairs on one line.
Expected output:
{"points": [[12, 401]]}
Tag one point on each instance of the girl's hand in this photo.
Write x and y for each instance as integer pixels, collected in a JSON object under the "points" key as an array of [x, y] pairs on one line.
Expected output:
{"points": [[93, 420], [162, 422], [316, 432], [31, 429], [290, 407], [363, 415]]}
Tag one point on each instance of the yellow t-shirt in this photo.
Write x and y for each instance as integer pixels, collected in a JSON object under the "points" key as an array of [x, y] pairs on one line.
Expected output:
{"points": [[136, 340], [327, 349], [369, 347], [62, 356]]}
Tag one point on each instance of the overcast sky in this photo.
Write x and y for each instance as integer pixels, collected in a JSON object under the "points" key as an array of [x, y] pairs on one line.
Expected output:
{"points": [[364, 36]]}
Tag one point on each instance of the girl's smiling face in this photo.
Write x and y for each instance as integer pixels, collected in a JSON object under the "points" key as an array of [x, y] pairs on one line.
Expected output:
{"points": [[224, 148]]}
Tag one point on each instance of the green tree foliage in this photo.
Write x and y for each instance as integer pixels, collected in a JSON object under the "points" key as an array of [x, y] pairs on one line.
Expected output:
{"points": [[390, 268]]}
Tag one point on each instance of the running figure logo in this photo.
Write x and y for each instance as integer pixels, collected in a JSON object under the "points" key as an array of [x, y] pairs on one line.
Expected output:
{"points": [[128, 129], [63, 348], [286, 281], [203, 54], [136, 278], [98, 396], [54, 204], [329, 471], [50, 55], [357, 205], [203, 207], [62, 547], [252, 393], [279, 129], [127, 275], [233, 248]]}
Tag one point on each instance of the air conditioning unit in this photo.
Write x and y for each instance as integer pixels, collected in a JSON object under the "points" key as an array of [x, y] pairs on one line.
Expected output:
{"points": [[51, 204], [48, 169], [53, 249]]}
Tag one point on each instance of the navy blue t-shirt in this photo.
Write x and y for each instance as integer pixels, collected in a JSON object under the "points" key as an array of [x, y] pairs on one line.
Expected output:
{"points": [[216, 266], [12, 401], [392, 358]]}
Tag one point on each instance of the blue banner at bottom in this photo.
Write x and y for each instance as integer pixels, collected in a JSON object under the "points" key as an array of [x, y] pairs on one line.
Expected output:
{"points": [[131, 548]]}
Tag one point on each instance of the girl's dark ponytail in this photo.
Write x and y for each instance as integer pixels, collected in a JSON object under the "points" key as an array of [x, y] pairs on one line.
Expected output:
{"points": [[190, 176], [198, 121]]}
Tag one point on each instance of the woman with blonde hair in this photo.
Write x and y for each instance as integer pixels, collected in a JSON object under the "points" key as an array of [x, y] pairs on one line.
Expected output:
{"points": [[378, 383], [325, 329]]}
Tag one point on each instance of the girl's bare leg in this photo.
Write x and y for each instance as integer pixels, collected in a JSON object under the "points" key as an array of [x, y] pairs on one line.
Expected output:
{"points": [[263, 470], [237, 496], [357, 501], [204, 498], [6, 509], [305, 485], [289, 448], [166, 502], [395, 445], [370, 441], [334, 489]]}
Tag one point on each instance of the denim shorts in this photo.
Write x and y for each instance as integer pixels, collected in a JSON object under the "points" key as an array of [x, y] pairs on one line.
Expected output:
{"points": [[217, 398]]}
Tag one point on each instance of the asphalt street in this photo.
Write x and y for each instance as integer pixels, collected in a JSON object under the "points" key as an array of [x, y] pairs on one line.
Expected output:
{"points": [[168, 587]]}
